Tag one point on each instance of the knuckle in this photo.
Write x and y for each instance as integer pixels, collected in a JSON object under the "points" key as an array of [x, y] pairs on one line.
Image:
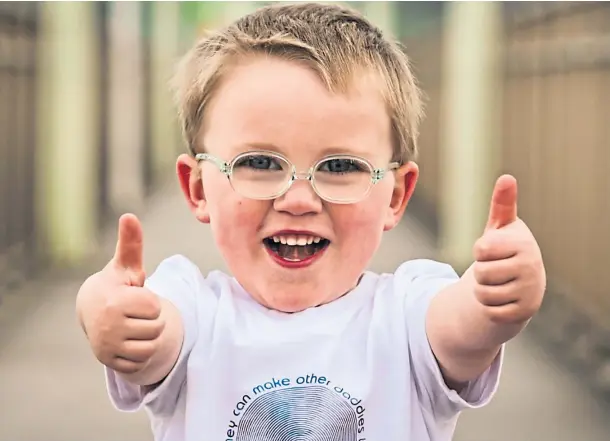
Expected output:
{"points": [[151, 349], [158, 328], [155, 306], [115, 302], [125, 366], [482, 293], [113, 307], [141, 351], [106, 342], [148, 348], [150, 303], [104, 354], [128, 369], [477, 270], [111, 323], [481, 273], [499, 315], [510, 314], [481, 248]]}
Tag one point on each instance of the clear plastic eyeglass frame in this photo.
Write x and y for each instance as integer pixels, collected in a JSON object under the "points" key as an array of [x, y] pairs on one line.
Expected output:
{"points": [[226, 168]]}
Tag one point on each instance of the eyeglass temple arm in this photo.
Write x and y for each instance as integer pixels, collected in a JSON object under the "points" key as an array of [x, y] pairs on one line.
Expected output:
{"points": [[222, 165], [379, 173]]}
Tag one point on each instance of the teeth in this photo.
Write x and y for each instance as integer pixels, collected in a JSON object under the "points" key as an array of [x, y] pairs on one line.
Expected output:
{"points": [[294, 240]]}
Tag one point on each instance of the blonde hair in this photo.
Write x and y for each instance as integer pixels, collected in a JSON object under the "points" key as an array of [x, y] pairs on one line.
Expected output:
{"points": [[336, 42]]}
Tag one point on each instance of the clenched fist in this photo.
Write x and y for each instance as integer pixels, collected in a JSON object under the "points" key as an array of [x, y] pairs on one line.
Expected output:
{"points": [[121, 318], [509, 274]]}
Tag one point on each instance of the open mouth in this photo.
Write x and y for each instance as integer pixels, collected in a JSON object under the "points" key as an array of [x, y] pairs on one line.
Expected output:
{"points": [[295, 248]]}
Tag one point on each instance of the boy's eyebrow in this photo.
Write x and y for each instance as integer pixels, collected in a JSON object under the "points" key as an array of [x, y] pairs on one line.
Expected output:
{"points": [[238, 149], [326, 151], [340, 150], [262, 146]]}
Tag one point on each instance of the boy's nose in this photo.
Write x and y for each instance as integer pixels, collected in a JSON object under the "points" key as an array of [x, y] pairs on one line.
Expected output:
{"points": [[300, 199]]}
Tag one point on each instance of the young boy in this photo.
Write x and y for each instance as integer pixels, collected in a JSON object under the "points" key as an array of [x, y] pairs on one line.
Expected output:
{"points": [[304, 343]]}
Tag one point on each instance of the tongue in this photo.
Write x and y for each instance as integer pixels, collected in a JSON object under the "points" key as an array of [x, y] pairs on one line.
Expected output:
{"points": [[296, 252]]}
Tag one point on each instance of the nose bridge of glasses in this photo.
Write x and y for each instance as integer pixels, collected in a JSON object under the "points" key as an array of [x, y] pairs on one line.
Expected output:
{"points": [[304, 175]]}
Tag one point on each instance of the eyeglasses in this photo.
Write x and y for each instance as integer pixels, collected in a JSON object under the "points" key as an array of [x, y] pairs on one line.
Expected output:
{"points": [[340, 179]]}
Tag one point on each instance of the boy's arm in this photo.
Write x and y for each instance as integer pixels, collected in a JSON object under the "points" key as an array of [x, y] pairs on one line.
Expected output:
{"points": [[469, 321]]}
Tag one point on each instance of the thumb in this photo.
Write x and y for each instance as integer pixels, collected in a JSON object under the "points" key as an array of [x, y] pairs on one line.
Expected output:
{"points": [[129, 249], [503, 209]]}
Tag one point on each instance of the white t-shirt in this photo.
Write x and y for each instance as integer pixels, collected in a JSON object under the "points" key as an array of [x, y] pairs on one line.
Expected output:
{"points": [[359, 368]]}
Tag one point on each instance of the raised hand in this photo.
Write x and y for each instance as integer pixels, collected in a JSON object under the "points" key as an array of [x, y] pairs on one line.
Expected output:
{"points": [[509, 273], [121, 318]]}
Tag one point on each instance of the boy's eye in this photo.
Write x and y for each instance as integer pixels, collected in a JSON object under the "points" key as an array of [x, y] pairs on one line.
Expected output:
{"points": [[342, 165], [259, 162]]}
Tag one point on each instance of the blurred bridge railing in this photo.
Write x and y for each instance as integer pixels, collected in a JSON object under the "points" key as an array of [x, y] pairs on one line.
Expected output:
{"points": [[86, 121], [18, 36]]}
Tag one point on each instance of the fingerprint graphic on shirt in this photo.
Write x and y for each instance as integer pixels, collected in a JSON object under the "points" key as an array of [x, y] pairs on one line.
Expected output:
{"points": [[312, 413]]}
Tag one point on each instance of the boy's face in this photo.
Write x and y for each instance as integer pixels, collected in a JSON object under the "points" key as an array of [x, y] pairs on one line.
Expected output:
{"points": [[275, 105]]}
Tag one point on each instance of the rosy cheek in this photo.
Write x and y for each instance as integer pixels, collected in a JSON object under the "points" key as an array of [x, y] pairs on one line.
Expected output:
{"points": [[239, 218], [252, 211], [355, 219]]}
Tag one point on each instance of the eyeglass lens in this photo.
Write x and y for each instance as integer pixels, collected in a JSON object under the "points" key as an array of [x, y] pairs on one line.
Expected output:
{"points": [[338, 178]]}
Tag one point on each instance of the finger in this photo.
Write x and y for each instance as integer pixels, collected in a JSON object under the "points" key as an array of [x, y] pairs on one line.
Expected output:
{"points": [[498, 295], [503, 209], [496, 245], [137, 329], [138, 351], [125, 366], [129, 249], [509, 313], [139, 303], [497, 272]]}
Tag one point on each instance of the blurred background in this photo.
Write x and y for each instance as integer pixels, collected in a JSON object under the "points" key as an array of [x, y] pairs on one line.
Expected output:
{"points": [[89, 132]]}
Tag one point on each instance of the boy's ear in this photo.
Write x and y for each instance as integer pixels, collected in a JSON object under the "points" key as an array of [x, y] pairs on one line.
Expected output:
{"points": [[406, 179], [189, 177]]}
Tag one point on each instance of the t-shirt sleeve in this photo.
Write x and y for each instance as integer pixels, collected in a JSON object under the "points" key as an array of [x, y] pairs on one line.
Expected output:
{"points": [[421, 280], [177, 280]]}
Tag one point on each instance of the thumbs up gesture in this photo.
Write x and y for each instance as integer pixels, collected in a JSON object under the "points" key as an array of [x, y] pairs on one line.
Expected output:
{"points": [[509, 272], [121, 318]]}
